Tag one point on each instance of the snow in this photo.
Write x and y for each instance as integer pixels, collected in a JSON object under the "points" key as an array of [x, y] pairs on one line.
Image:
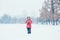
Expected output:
{"points": [[19, 32]]}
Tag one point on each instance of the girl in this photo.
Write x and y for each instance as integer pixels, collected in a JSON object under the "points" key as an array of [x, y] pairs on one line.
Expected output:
{"points": [[28, 24]]}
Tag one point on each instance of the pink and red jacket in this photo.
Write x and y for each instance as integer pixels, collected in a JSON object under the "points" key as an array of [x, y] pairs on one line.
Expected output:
{"points": [[28, 23]]}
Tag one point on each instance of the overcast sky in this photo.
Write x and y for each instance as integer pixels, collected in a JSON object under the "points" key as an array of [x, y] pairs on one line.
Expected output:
{"points": [[20, 7]]}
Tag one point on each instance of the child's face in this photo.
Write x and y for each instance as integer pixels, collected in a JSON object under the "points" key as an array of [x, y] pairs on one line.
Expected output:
{"points": [[28, 18]]}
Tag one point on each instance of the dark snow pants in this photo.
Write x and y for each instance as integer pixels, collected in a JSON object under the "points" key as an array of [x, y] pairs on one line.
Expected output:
{"points": [[29, 30]]}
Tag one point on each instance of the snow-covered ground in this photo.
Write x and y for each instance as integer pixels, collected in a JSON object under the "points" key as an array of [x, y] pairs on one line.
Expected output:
{"points": [[19, 32]]}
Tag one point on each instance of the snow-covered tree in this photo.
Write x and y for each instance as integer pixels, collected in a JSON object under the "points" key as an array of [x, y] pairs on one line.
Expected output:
{"points": [[50, 10]]}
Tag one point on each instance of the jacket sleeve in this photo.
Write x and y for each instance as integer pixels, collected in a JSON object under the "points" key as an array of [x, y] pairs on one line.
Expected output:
{"points": [[31, 21]]}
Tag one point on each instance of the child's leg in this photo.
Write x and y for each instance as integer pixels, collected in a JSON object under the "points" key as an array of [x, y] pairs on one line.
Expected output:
{"points": [[27, 30]]}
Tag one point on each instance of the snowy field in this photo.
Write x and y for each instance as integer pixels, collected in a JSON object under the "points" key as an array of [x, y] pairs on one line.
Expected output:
{"points": [[19, 32]]}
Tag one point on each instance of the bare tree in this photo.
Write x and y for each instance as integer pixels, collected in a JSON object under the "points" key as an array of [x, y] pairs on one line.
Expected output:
{"points": [[50, 10]]}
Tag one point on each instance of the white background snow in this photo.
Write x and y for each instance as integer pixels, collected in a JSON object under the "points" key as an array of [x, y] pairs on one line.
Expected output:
{"points": [[19, 32]]}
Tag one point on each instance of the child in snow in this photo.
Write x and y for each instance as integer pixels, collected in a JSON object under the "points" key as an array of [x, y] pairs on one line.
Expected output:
{"points": [[28, 24]]}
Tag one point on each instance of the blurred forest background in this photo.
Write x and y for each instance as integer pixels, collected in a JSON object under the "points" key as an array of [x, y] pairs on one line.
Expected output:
{"points": [[48, 14]]}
